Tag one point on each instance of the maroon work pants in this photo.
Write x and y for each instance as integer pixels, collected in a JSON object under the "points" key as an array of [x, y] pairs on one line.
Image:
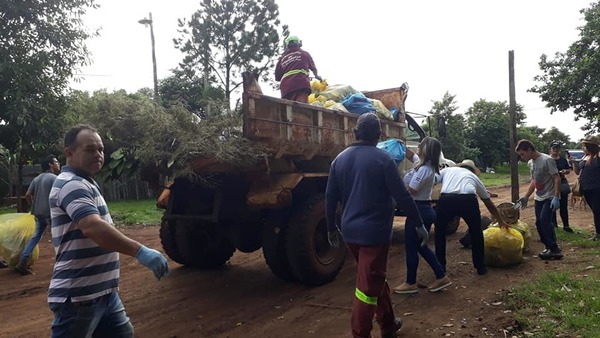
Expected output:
{"points": [[300, 95], [371, 282]]}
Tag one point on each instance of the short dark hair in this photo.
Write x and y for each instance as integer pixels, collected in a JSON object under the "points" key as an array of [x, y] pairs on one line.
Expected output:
{"points": [[368, 128], [71, 136], [46, 162], [525, 145]]}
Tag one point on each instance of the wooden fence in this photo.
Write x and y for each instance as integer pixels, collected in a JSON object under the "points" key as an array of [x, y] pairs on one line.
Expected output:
{"points": [[130, 188]]}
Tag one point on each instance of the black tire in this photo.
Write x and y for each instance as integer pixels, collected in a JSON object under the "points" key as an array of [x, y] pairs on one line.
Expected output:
{"points": [[311, 259], [201, 246], [453, 225], [169, 242], [274, 244]]}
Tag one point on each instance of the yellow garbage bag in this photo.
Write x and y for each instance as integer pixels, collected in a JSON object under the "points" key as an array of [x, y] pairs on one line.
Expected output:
{"points": [[338, 92], [312, 98], [16, 230], [523, 228], [503, 247], [381, 110], [318, 86]]}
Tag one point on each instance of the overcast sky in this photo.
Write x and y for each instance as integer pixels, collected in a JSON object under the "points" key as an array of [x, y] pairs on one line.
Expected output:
{"points": [[436, 46]]}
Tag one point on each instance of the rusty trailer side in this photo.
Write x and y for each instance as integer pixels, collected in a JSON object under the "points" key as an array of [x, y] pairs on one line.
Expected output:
{"points": [[294, 129]]}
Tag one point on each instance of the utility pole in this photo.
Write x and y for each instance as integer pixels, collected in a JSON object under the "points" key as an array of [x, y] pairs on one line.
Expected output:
{"points": [[512, 111], [147, 22]]}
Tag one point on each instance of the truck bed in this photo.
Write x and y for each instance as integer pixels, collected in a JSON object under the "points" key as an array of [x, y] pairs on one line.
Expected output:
{"points": [[294, 129]]}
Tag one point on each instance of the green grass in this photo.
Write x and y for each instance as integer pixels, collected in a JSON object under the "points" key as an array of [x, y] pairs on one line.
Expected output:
{"points": [[7, 210], [142, 212], [135, 212], [565, 303], [502, 176]]}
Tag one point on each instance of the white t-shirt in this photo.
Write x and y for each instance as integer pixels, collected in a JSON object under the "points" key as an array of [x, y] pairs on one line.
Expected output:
{"points": [[457, 180], [420, 180], [543, 170]]}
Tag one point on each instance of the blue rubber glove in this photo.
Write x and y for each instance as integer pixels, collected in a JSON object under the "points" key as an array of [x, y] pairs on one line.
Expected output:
{"points": [[423, 235], [555, 203], [154, 261]]}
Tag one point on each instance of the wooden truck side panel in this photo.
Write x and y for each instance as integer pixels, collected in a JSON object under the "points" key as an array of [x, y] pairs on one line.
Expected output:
{"points": [[293, 129]]}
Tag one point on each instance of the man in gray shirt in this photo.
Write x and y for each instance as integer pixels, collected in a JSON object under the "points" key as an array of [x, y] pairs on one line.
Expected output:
{"points": [[37, 196]]}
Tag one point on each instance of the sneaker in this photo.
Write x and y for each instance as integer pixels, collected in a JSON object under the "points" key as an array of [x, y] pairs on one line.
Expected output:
{"points": [[440, 284], [23, 269], [3, 264], [545, 252], [548, 255], [568, 229], [406, 289], [595, 238], [394, 333], [482, 271]]}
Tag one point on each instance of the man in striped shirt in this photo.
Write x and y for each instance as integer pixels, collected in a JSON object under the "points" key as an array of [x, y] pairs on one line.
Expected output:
{"points": [[83, 293]]}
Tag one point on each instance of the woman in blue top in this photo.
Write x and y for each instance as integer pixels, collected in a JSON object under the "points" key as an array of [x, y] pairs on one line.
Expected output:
{"points": [[419, 182]]}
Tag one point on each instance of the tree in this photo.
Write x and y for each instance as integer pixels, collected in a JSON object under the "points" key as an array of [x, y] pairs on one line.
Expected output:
{"points": [[488, 129], [571, 80], [41, 46], [454, 145], [187, 89], [226, 37]]}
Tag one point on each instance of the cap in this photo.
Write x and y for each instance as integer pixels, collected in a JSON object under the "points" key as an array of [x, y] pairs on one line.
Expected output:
{"points": [[556, 144]]}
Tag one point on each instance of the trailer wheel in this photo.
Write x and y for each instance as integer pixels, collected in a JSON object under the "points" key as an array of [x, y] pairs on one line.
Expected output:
{"points": [[311, 259], [453, 225], [201, 246], [274, 244], [169, 242]]}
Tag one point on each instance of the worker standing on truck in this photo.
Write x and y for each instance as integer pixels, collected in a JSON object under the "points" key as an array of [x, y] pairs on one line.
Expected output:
{"points": [[83, 293], [292, 70], [460, 187], [366, 181]]}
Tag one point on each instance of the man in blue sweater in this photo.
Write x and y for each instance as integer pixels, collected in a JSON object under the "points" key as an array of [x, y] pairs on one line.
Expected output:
{"points": [[365, 180]]}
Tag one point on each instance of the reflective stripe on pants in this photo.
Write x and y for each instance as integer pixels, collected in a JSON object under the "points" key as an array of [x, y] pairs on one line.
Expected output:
{"points": [[372, 294]]}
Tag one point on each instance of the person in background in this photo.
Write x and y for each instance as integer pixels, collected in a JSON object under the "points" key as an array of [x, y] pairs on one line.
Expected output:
{"points": [[419, 182], [460, 188], [37, 196], [545, 181], [365, 180], [83, 292], [564, 168], [292, 70], [589, 178]]}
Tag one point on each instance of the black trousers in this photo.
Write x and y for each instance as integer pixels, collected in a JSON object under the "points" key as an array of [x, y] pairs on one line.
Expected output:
{"points": [[467, 208]]}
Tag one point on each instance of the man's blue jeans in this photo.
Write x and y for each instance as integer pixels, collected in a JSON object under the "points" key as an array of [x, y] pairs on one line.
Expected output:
{"points": [[41, 222], [101, 317], [543, 223]]}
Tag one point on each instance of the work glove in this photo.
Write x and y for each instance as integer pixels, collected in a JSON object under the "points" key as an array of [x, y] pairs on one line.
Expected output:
{"points": [[334, 238], [318, 78], [555, 203], [154, 261], [423, 235], [523, 201]]}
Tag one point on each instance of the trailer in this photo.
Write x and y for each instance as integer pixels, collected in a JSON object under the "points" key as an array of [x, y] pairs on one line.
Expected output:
{"points": [[277, 204]]}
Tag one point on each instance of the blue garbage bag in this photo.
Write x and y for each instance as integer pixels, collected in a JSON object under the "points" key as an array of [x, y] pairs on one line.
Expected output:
{"points": [[395, 147], [358, 103]]}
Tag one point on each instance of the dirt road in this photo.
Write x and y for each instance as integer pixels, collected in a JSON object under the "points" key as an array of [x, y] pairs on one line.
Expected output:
{"points": [[245, 300]]}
